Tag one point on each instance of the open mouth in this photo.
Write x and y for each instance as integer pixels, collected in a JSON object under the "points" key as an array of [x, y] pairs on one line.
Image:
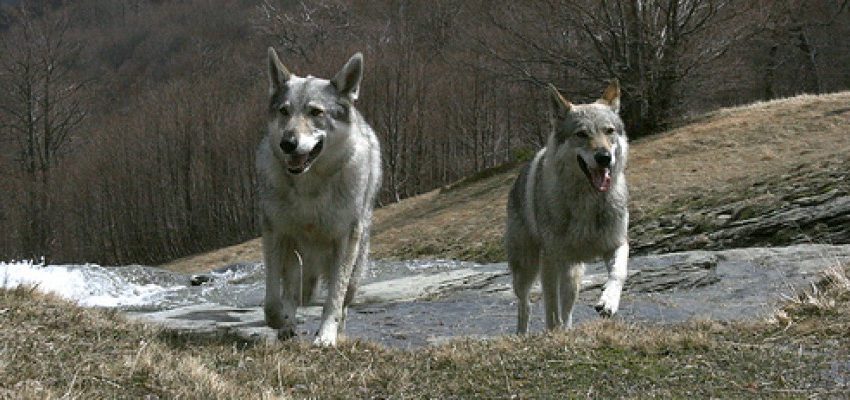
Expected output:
{"points": [[599, 178], [299, 163]]}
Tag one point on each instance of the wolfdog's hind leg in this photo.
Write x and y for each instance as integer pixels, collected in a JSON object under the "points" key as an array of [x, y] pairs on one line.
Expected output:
{"points": [[524, 263], [523, 275], [570, 286], [309, 284], [353, 282], [550, 280]]}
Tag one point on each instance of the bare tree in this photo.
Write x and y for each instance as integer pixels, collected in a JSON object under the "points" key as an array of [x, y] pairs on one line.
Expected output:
{"points": [[299, 28], [791, 24], [42, 110], [651, 45]]}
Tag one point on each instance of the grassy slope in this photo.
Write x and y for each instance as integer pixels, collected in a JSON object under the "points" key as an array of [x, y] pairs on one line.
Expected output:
{"points": [[715, 159], [51, 349]]}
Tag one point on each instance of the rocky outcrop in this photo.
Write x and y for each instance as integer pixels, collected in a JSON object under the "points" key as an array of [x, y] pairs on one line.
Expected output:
{"points": [[811, 206], [410, 304]]}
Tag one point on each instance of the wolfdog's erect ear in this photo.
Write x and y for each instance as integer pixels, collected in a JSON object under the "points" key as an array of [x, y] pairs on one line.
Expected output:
{"points": [[347, 80], [560, 105], [611, 95], [278, 74]]}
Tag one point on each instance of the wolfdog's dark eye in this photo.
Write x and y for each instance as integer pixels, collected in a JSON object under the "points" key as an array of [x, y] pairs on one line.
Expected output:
{"points": [[609, 130], [316, 112], [582, 134], [284, 111]]}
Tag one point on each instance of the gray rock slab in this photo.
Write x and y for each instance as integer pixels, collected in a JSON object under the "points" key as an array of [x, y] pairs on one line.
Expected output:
{"points": [[403, 306]]}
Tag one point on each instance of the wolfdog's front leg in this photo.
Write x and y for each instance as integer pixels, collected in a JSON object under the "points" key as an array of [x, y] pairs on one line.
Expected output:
{"points": [[617, 266], [550, 281], [281, 262], [340, 274], [356, 274]]}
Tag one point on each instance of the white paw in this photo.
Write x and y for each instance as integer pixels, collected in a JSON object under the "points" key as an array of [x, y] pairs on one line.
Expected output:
{"points": [[327, 335], [325, 341], [609, 302]]}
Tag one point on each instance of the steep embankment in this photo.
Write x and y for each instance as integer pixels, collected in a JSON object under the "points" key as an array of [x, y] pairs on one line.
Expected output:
{"points": [[769, 173]]}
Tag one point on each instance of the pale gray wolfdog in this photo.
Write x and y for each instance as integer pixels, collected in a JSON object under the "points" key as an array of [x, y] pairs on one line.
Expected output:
{"points": [[319, 169], [569, 206]]}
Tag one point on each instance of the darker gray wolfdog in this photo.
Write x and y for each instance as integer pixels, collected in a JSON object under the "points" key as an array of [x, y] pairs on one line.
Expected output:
{"points": [[319, 169], [569, 206]]}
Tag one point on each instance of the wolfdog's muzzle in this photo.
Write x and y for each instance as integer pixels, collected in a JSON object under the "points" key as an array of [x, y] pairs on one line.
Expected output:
{"points": [[599, 177], [298, 163]]}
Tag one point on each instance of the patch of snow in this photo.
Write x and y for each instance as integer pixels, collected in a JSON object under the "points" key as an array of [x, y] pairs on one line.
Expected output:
{"points": [[88, 285]]}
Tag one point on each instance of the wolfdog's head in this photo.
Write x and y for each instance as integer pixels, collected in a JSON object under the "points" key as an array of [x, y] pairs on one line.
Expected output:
{"points": [[307, 115], [590, 137]]}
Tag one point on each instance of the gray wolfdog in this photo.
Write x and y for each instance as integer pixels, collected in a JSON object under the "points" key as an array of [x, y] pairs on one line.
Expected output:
{"points": [[569, 206], [319, 169]]}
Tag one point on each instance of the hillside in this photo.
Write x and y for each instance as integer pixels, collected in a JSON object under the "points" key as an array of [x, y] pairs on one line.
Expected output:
{"points": [[750, 175]]}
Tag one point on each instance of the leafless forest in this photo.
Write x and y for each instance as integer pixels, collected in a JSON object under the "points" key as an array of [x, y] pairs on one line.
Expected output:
{"points": [[128, 128]]}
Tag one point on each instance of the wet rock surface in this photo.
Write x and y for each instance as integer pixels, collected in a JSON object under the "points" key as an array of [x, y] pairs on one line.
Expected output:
{"points": [[411, 304]]}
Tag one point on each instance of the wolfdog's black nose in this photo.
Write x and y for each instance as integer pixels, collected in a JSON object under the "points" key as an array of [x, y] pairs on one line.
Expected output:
{"points": [[603, 158], [288, 144]]}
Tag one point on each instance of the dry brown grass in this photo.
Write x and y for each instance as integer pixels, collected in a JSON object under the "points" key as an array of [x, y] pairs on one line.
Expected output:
{"points": [[829, 296], [726, 150], [251, 250], [50, 349], [732, 147]]}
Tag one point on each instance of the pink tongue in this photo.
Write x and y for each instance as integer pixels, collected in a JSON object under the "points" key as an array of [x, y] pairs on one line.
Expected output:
{"points": [[601, 179]]}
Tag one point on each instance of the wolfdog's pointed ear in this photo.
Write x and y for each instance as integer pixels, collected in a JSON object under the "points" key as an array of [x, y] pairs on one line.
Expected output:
{"points": [[560, 105], [347, 80], [611, 95], [278, 74]]}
